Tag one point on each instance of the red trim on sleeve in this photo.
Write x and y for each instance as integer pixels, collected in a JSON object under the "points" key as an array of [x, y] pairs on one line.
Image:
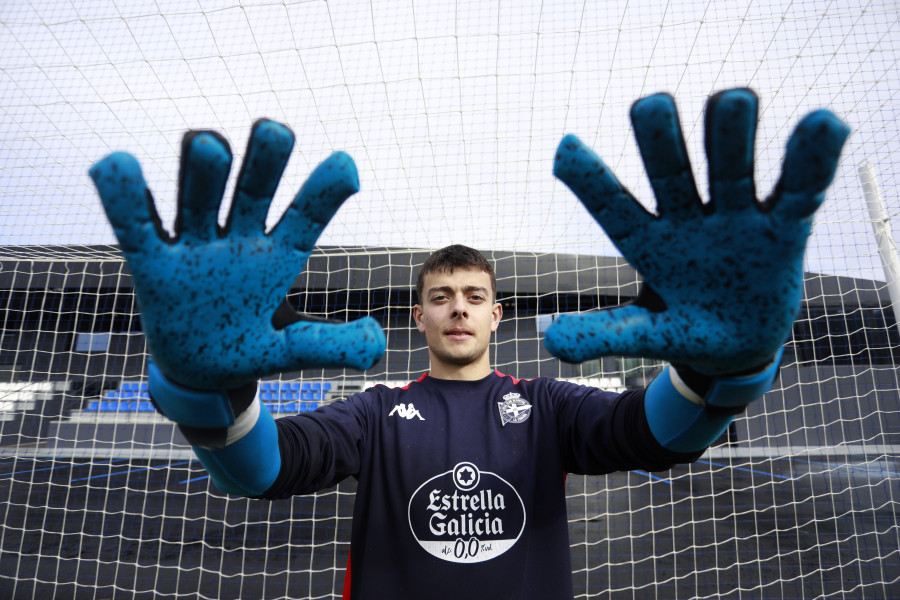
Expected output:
{"points": [[514, 380], [406, 387], [346, 594], [421, 378]]}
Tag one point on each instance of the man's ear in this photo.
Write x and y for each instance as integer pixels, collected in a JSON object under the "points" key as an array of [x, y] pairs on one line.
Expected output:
{"points": [[496, 314], [418, 318]]}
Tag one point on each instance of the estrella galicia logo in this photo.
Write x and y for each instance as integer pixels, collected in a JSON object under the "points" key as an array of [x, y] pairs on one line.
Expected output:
{"points": [[466, 515], [513, 409]]}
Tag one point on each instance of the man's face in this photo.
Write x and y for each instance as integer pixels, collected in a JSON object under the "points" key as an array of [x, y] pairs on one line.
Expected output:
{"points": [[457, 315]]}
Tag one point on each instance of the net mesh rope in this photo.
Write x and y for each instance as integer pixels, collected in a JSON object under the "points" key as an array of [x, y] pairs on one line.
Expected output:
{"points": [[452, 112]]}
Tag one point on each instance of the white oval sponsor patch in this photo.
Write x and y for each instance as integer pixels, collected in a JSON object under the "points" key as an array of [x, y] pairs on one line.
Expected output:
{"points": [[466, 515]]}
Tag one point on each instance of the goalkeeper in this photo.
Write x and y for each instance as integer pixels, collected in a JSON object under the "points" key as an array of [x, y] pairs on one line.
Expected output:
{"points": [[460, 473]]}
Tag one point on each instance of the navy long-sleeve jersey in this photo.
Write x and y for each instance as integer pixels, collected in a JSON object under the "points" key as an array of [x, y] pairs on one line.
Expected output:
{"points": [[461, 483]]}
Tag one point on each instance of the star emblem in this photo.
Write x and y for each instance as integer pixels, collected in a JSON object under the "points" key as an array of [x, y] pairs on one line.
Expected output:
{"points": [[466, 476]]}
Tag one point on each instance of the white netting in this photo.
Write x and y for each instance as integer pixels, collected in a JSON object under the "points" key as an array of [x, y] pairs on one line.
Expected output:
{"points": [[452, 112]]}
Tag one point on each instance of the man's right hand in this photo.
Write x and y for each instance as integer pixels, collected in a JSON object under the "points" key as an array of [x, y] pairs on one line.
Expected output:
{"points": [[212, 299]]}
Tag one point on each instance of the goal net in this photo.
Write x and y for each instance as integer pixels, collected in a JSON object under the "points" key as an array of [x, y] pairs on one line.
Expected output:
{"points": [[452, 112]]}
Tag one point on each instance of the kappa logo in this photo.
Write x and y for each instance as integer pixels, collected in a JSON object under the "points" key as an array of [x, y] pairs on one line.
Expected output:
{"points": [[513, 409], [406, 411]]}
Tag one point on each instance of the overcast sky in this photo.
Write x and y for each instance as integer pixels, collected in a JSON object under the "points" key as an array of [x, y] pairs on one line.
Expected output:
{"points": [[451, 110]]}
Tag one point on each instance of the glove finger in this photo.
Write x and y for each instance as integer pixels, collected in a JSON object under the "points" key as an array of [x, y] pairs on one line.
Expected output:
{"points": [[731, 118], [329, 185], [625, 331], [611, 205], [661, 142], [357, 344], [267, 155], [809, 165], [128, 203], [205, 163]]}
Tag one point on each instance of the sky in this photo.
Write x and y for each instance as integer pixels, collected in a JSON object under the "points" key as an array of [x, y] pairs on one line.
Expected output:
{"points": [[451, 110]]}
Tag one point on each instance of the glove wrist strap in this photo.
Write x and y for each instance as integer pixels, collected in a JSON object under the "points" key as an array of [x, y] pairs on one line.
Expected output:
{"points": [[197, 408], [725, 396], [683, 420]]}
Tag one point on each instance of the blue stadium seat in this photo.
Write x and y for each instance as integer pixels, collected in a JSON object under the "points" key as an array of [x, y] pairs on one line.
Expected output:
{"points": [[93, 406], [145, 406]]}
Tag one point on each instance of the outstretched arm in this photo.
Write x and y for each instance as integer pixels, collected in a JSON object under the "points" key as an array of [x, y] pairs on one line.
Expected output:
{"points": [[722, 281], [213, 299]]}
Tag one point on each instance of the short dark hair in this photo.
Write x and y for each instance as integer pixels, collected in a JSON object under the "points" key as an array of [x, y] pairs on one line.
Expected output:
{"points": [[452, 257]]}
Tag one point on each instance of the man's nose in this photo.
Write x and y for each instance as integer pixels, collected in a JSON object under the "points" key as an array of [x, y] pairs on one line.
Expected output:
{"points": [[459, 307]]}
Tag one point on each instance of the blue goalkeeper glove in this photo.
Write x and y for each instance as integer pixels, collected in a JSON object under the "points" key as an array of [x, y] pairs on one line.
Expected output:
{"points": [[723, 281], [213, 302]]}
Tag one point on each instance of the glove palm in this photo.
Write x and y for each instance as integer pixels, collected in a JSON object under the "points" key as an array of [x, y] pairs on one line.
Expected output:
{"points": [[723, 281], [209, 298]]}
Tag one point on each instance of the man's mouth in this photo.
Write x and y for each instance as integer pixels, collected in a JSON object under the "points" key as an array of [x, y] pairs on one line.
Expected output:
{"points": [[458, 334]]}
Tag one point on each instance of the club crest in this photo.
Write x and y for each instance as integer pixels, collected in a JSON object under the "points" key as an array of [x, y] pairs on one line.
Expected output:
{"points": [[513, 409]]}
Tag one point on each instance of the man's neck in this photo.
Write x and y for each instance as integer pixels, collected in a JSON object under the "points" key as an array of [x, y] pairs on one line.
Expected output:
{"points": [[470, 372]]}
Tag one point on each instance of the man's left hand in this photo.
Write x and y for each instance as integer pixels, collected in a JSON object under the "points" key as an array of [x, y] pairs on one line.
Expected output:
{"points": [[723, 280]]}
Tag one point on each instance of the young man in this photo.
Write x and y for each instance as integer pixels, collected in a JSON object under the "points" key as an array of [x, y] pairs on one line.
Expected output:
{"points": [[460, 473]]}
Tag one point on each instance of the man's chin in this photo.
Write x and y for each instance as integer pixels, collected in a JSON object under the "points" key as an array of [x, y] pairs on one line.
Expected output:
{"points": [[460, 359]]}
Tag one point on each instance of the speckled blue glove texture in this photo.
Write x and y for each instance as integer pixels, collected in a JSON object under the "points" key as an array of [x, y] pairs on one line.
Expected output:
{"points": [[722, 281], [212, 299]]}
